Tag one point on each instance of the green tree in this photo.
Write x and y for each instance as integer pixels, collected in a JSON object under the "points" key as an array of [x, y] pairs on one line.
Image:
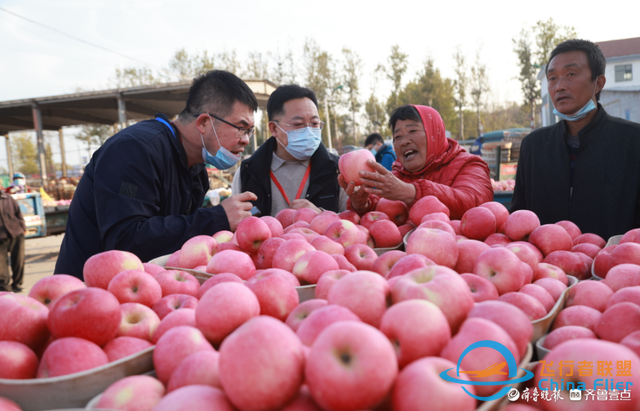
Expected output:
{"points": [[398, 64], [257, 66], [548, 36], [479, 87], [185, 66], [352, 67], [284, 71], [229, 61], [133, 77], [460, 84], [24, 153], [94, 134], [376, 115]]}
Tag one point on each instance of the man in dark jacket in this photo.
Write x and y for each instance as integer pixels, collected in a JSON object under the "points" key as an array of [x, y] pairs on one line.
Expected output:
{"points": [[12, 228], [585, 168], [143, 189], [292, 169], [383, 152]]}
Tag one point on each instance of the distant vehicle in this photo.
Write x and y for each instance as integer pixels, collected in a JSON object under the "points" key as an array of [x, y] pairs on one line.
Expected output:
{"points": [[33, 213], [496, 136]]}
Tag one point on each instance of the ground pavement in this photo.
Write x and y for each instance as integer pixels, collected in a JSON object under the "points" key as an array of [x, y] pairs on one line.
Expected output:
{"points": [[41, 255]]}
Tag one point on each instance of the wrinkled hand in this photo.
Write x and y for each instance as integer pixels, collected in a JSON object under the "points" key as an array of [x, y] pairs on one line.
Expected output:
{"points": [[238, 208], [302, 203], [383, 183], [359, 197]]}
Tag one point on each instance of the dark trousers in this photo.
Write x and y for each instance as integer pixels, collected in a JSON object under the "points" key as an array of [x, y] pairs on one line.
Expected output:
{"points": [[15, 246]]}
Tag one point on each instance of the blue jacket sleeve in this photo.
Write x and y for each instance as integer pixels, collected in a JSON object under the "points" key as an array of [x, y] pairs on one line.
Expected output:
{"points": [[387, 161], [146, 204]]}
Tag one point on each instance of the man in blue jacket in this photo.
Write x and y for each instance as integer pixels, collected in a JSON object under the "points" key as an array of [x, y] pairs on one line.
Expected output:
{"points": [[143, 189], [383, 152]]}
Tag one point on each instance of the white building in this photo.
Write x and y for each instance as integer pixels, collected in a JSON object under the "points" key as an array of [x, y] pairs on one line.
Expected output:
{"points": [[621, 94]]}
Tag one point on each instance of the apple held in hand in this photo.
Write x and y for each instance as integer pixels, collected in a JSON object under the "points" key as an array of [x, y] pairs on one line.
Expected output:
{"points": [[350, 165]]}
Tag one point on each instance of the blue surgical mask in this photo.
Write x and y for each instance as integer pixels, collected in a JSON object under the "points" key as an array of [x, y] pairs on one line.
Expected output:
{"points": [[303, 142], [374, 151], [590, 106], [223, 159]]}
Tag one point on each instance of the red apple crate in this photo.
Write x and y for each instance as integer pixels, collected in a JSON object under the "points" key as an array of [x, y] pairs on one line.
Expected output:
{"points": [[305, 292], [74, 390]]}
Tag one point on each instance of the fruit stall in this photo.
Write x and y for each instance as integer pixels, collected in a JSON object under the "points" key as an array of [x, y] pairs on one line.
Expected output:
{"points": [[396, 309]]}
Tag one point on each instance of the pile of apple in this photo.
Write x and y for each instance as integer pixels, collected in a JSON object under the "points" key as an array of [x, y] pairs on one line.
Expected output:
{"points": [[503, 185], [607, 309]]}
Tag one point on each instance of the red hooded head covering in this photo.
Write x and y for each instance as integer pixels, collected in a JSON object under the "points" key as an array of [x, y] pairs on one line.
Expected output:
{"points": [[440, 149]]}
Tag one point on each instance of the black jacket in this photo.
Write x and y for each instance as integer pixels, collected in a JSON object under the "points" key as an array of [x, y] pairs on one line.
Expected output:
{"points": [[323, 191], [137, 194], [606, 190], [11, 220]]}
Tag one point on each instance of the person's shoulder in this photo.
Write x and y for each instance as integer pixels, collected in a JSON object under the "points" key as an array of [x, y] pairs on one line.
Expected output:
{"points": [[148, 132], [625, 126]]}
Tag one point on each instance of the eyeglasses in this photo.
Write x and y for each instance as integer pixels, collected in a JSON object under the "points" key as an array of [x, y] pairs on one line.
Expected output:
{"points": [[313, 124], [242, 132]]}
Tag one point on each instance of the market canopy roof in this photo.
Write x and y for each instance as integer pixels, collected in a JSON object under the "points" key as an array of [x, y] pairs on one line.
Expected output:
{"points": [[102, 107]]}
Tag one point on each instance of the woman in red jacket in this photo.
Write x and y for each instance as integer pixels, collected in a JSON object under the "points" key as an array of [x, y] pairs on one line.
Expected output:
{"points": [[428, 163]]}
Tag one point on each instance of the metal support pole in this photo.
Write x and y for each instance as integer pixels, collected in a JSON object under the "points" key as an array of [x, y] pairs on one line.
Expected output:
{"points": [[498, 162], [9, 159], [37, 125], [326, 110], [62, 154], [122, 113]]}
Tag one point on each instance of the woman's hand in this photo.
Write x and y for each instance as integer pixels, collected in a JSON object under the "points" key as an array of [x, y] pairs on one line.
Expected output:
{"points": [[359, 197], [383, 183]]}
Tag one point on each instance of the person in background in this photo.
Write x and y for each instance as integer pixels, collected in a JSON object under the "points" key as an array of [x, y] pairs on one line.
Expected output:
{"points": [[143, 189], [19, 185], [428, 163], [383, 153], [292, 169], [12, 229], [586, 167]]}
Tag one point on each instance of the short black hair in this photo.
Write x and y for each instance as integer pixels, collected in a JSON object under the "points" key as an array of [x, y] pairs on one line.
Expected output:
{"points": [[406, 112], [597, 61], [373, 139], [284, 93], [217, 91]]}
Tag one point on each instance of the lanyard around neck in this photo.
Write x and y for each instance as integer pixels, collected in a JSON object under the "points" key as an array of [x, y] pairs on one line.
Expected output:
{"points": [[163, 121], [284, 195]]}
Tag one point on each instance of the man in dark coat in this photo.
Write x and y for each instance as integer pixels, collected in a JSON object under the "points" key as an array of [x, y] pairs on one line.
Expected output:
{"points": [[12, 228]]}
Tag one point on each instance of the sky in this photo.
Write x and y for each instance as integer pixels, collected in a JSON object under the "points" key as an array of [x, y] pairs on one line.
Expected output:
{"points": [[37, 62]]}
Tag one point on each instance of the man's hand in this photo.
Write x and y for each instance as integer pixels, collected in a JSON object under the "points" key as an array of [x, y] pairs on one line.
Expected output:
{"points": [[238, 208], [359, 197], [302, 203], [384, 184]]}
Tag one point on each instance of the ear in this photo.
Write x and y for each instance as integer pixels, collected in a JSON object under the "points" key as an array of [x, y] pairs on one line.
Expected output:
{"points": [[202, 121], [600, 82], [273, 128]]}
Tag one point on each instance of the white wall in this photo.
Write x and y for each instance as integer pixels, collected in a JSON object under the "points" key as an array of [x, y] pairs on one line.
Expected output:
{"points": [[610, 73]]}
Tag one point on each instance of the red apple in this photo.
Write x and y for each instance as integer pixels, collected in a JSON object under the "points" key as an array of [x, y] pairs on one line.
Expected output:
{"points": [[408, 263], [361, 256], [172, 303], [234, 262], [138, 321], [594, 294], [173, 260], [545, 270], [197, 251], [286, 217], [539, 294], [266, 251], [251, 232], [276, 294], [305, 214], [417, 329], [61, 357], [311, 265], [510, 318], [99, 269], [502, 267], [302, 311], [19, 362], [195, 398], [323, 220], [397, 211], [383, 264], [481, 288], [184, 316], [90, 313], [307, 233], [268, 343], [363, 292], [224, 308], [440, 285], [468, 252], [177, 282], [217, 279], [350, 165], [8, 405], [437, 245], [440, 225], [324, 243], [326, 281], [226, 246], [288, 253], [632, 341], [628, 294], [520, 224], [526, 252], [602, 262], [405, 228], [274, 225], [497, 238], [320, 319], [23, 320], [566, 333], [478, 223], [223, 236], [590, 238], [589, 249], [627, 253], [623, 275], [137, 392], [121, 347], [579, 315], [570, 263], [343, 263], [528, 304], [135, 286], [371, 217], [344, 232], [618, 321], [426, 205], [572, 229], [553, 286], [152, 269], [199, 368], [439, 216], [350, 215], [385, 234], [351, 366], [420, 383], [499, 211], [551, 237], [49, 289], [176, 345]]}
